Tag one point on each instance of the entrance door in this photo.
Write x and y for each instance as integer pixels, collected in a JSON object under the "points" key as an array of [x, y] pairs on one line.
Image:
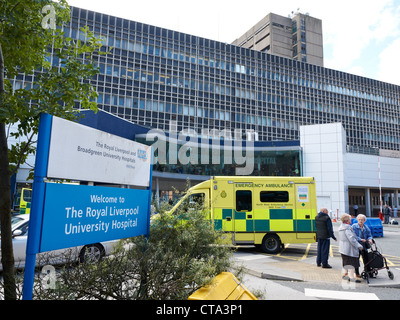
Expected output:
{"points": [[304, 211]]}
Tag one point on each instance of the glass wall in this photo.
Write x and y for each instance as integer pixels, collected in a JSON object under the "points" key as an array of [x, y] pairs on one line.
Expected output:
{"points": [[267, 162]]}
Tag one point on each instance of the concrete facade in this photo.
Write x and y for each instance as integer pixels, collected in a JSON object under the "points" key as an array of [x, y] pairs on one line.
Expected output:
{"points": [[298, 37], [308, 39], [338, 172], [272, 34]]}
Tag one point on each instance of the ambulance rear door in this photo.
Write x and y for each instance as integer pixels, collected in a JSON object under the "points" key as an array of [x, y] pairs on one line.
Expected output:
{"points": [[304, 210]]}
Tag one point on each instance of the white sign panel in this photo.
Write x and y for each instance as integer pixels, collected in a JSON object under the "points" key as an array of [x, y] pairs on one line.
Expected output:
{"points": [[78, 152], [302, 193]]}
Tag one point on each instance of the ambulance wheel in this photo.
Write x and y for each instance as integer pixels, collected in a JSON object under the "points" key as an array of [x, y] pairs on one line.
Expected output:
{"points": [[271, 244]]}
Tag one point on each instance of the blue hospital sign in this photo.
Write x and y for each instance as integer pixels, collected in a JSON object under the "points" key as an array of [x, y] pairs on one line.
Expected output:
{"points": [[66, 215], [78, 215]]}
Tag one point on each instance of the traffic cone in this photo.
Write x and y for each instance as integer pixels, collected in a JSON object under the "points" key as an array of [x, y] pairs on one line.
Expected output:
{"points": [[334, 219]]}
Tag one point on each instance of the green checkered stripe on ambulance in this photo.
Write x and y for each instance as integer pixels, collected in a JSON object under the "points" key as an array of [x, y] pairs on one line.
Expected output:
{"points": [[263, 220]]}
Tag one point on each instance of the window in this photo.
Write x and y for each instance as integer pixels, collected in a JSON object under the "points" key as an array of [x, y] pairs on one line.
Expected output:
{"points": [[244, 200], [193, 201], [274, 196], [303, 36], [197, 199], [27, 195]]}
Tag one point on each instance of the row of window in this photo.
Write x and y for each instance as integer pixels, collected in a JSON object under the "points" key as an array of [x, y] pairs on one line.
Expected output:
{"points": [[205, 75], [152, 105], [167, 79], [150, 49], [262, 121], [224, 115], [244, 198]]}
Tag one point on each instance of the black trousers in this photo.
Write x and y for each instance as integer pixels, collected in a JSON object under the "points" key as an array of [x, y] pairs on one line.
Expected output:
{"points": [[323, 251], [364, 255]]}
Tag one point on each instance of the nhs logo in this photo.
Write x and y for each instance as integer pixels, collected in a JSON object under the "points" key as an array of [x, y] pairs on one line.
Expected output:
{"points": [[142, 154]]}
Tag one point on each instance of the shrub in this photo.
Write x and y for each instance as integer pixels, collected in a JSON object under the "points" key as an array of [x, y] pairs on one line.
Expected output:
{"points": [[182, 254]]}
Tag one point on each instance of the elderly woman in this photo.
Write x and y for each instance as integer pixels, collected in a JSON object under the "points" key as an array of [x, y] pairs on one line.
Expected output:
{"points": [[364, 237], [349, 248]]}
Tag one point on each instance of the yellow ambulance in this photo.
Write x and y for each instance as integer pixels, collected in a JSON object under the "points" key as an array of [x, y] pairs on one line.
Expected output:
{"points": [[263, 211], [25, 201]]}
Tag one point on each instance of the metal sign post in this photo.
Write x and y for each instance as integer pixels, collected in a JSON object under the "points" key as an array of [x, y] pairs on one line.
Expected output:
{"points": [[38, 191]]}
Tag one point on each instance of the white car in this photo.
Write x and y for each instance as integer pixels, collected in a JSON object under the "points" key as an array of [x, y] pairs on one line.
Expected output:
{"points": [[88, 253]]}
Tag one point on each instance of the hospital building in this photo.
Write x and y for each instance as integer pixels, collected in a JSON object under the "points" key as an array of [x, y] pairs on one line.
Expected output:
{"points": [[269, 88]]}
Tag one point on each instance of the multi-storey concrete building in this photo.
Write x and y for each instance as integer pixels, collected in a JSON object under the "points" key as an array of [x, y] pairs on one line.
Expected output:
{"points": [[298, 36], [155, 77]]}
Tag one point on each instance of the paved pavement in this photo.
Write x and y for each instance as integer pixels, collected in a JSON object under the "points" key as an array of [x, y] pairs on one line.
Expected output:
{"points": [[307, 270], [271, 267]]}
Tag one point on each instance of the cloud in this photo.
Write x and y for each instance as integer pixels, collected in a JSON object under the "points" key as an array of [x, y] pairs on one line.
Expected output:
{"points": [[349, 29], [389, 66], [388, 25], [357, 69]]}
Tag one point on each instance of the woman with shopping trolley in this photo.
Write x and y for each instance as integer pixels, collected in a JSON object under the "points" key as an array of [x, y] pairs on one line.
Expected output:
{"points": [[364, 237]]}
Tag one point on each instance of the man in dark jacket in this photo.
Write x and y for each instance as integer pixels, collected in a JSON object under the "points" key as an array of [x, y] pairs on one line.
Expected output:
{"points": [[386, 214], [324, 227]]}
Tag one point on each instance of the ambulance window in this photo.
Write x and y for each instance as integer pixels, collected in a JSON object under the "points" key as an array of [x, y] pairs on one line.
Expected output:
{"points": [[192, 202], [243, 200], [27, 195], [196, 199], [274, 196]]}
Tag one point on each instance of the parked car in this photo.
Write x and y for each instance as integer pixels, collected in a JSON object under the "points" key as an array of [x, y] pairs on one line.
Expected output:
{"points": [[89, 253]]}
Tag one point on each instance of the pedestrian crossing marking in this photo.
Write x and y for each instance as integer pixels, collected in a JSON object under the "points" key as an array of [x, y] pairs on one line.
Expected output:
{"points": [[252, 257], [299, 252], [339, 295]]}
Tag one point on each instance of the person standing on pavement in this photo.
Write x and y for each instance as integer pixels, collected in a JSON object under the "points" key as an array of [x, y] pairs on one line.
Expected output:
{"points": [[364, 237], [355, 210], [349, 248], [386, 214], [323, 224]]}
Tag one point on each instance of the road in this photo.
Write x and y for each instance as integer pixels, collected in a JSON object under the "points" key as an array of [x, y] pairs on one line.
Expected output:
{"points": [[304, 280]]}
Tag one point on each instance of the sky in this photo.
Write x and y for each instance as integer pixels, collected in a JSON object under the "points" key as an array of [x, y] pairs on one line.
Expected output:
{"points": [[361, 37]]}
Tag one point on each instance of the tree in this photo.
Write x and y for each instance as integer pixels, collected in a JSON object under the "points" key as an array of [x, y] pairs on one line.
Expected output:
{"points": [[32, 42]]}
